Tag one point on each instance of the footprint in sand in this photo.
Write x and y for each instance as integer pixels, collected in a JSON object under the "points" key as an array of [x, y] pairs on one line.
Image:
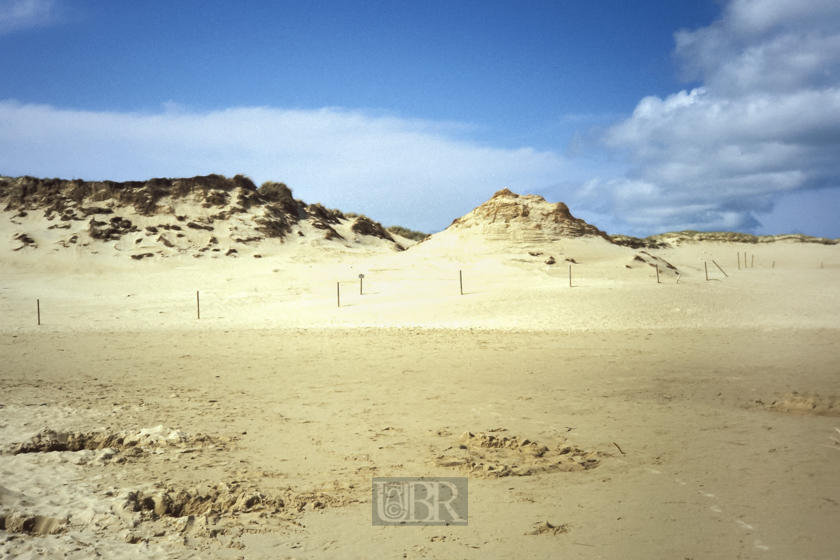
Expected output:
{"points": [[758, 544], [744, 525]]}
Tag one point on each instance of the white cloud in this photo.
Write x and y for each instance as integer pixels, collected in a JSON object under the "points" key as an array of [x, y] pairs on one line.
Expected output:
{"points": [[769, 45], [22, 14], [766, 122], [412, 172]]}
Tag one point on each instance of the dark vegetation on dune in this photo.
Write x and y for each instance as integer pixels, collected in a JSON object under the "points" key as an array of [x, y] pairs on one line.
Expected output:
{"points": [[274, 211], [362, 224], [408, 233], [691, 236], [57, 195], [272, 207]]}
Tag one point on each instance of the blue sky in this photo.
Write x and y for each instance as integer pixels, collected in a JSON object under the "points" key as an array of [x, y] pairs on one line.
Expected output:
{"points": [[642, 117]]}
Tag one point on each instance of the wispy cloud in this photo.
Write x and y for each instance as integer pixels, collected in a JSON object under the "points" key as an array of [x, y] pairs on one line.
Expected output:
{"points": [[22, 14], [406, 171], [766, 122]]}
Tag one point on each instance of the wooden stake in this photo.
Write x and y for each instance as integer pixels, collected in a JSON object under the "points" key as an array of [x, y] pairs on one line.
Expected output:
{"points": [[461, 281], [657, 273], [717, 265], [338, 294], [361, 285], [197, 306], [679, 275], [706, 266], [774, 264], [739, 260], [38, 303], [570, 276], [752, 261]]}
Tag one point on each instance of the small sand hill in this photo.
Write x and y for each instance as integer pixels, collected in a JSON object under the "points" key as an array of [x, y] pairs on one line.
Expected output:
{"points": [[523, 230], [209, 216], [508, 216]]}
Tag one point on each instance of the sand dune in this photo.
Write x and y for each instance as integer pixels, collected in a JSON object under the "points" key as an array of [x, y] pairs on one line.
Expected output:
{"points": [[616, 417]]}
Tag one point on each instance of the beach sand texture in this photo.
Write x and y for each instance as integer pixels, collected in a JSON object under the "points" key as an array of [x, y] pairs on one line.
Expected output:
{"points": [[678, 418]]}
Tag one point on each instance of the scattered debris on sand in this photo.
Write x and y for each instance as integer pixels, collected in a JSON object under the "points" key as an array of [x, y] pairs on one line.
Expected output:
{"points": [[546, 528], [794, 403], [143, 440], [488, 456], [46, 492]]}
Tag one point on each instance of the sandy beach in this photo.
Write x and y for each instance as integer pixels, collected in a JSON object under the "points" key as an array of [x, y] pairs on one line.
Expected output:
{"points": [[689, 419]]}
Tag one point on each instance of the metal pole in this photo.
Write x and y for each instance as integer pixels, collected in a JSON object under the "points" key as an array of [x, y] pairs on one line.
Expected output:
{"points": [[38, 303], [706, 266], [570, 276], [657, 273], [461, 280], [197, 306], [338, 293]]}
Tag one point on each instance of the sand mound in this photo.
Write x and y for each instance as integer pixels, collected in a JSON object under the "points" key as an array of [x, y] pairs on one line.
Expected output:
{"points": [[643, 258], [221, 499], [794, 403], [487, 456], [137, 441], [508, 216]]}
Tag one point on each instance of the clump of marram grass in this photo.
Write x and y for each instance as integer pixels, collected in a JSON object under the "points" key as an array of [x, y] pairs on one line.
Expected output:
{"points": [[408, 233], [274, 192]]}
